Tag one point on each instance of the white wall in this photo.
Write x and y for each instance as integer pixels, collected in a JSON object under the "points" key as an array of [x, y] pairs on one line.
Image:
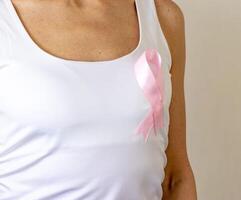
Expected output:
{"points": [[213, 96]]}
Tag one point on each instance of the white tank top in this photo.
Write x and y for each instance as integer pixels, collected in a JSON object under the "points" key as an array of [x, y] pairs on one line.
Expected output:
{"points": [[67, 127]]}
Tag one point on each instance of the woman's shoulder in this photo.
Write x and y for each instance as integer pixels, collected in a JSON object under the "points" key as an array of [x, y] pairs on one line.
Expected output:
{"points": [[171, 15], [171, 18], [169, 10]]}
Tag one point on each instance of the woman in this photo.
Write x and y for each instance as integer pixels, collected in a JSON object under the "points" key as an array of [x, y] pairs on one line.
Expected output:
{"points": [[75, 101]]}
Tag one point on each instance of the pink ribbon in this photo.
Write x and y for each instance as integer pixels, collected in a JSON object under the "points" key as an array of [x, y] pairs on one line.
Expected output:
{"points": [[149, 76]]}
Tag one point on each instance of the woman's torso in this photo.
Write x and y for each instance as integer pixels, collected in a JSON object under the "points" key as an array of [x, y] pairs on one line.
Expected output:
{"points": [[66, 126]]}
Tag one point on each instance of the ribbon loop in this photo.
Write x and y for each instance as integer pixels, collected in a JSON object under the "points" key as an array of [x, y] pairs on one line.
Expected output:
{"points": [[149, 76]]}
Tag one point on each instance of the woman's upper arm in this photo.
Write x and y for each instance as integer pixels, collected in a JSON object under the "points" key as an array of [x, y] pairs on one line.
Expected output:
{"points": [[172, 21]]}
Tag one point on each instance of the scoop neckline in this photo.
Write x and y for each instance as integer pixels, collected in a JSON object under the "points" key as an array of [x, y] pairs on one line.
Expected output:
{"points": [[35, 46]]}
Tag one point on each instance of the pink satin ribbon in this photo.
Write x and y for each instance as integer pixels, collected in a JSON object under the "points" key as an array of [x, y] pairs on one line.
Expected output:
{"points": [[150, 78]]}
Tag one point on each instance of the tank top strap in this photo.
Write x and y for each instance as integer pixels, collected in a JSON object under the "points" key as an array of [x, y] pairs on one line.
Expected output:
{"points": [[144, 8], [152, 29], [5, 36]]}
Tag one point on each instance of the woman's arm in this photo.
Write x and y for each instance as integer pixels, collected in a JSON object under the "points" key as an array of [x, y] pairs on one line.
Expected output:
{"points": [[179, 183]]}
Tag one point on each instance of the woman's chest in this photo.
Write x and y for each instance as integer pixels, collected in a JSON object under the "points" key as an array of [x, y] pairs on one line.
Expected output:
{"points": [[59, 95], [80, 32]]}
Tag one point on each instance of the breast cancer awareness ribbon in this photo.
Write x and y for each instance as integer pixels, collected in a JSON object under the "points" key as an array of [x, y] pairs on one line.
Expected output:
{"points": [[150, 78]]}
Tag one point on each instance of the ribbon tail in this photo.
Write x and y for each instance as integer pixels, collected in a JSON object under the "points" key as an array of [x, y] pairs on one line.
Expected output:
{"points": [[145, 125], [158, 119]]}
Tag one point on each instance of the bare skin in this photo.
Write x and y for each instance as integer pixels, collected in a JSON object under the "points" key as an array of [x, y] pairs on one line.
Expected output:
{"points": [[179, 182], [80, 40], [89, 29]]}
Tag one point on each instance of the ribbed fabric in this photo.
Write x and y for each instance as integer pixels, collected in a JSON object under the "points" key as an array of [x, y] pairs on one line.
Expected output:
{"points": [[66, 127]]}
